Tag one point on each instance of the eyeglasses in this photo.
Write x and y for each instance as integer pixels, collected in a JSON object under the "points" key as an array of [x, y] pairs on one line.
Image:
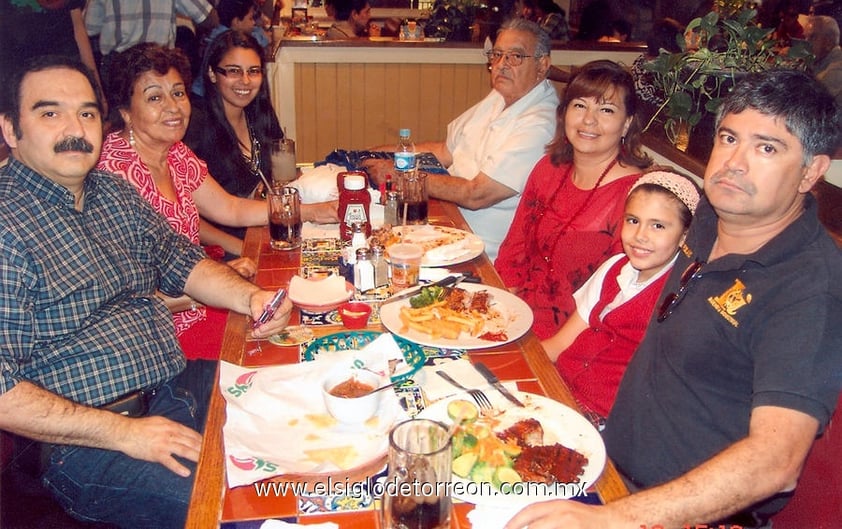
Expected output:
{"points": [[236, 71], [674, 298], [513, 58]]}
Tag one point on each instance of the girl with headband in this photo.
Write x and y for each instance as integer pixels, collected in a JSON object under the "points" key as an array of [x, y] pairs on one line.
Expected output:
{"points": [[613, 308]]}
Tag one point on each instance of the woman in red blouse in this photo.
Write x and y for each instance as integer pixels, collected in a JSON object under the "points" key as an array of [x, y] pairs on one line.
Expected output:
{"points": [[569, 217]]}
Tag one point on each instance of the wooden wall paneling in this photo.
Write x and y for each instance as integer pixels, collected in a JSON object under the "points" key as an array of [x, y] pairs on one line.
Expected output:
{"points": [[346, 119], [432, 123], [447, 103], [377, 87], [325, 95], [410, 98], [305, 140]]}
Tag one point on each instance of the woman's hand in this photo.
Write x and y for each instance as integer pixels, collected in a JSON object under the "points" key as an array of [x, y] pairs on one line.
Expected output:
{"points": [[321, 212], [244, 266]]}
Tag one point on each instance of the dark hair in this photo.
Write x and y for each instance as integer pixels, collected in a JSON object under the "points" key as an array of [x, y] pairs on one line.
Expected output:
{"points": [[664, 35], [813, 116], [11, 99], [549, 6], [344, 8], [260, 112], [598, 79], [228, 10], [128, 66], [684, 213]]}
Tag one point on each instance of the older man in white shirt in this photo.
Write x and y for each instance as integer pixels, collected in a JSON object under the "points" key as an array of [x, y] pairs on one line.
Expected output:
{"points": [[492, 147]]}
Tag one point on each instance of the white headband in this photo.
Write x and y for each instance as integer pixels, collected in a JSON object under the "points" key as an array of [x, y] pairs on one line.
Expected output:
{"points": [[678, 185]]}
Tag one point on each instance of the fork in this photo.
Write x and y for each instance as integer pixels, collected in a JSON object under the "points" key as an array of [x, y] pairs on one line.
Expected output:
{"points": [[479, 397]]}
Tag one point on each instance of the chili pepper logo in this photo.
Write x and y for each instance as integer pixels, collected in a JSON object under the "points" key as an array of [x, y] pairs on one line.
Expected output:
{"points": [[245, 463], [243, 383], [253, 463]]}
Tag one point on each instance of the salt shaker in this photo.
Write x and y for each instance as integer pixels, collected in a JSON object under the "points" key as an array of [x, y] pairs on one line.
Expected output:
{"points": [[381, 268], [390, 211], [363, 270], [358, 237]]}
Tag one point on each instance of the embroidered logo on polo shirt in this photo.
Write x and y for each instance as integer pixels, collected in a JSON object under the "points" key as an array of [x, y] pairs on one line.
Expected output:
{"points": [[729, 302]]}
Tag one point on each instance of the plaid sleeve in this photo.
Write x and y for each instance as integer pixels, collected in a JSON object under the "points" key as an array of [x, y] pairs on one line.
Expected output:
{"points": [[17, 280], [196, 10]]}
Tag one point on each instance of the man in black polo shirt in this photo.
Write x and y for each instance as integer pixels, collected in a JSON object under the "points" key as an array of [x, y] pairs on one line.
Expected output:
{"points": [[742, 366]]}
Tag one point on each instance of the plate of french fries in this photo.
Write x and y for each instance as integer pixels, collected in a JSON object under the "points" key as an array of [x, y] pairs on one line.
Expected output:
{"points": [[473, 316]]}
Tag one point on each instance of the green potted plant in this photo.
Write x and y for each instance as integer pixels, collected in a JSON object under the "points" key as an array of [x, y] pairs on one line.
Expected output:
{"points": [[727, 43]]}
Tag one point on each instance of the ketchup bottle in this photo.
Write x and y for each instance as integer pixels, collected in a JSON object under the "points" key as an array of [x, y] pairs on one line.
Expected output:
{"points": [[354, 205]]}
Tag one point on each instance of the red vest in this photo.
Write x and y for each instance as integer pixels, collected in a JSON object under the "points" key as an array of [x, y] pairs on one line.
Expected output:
{"points": [[595, 362]]}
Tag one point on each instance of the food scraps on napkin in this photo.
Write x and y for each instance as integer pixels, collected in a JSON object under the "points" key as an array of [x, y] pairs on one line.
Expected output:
{"points": [[317, 292], [277, 422]]}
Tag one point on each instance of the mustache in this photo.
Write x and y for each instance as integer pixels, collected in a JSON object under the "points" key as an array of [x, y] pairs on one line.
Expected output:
{"points": [[735, 178], [74, 144]]}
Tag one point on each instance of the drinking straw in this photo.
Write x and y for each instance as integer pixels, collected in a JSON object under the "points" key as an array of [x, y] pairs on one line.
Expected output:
{"points": [[265, 181]]}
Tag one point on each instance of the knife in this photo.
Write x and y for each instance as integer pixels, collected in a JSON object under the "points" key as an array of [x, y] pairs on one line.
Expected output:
{"points": [[449, 281], [494, 381]]}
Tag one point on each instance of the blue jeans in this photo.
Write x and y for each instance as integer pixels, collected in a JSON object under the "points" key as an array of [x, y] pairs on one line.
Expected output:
{"points": [[102, 485]]}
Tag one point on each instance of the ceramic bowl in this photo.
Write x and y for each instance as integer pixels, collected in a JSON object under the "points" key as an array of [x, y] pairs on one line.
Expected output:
{"points": [[352, 409]]}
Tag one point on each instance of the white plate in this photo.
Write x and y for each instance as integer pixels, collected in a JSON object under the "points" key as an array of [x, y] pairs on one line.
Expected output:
{"points": [[467, 248], [514, 310], [561, 425]]}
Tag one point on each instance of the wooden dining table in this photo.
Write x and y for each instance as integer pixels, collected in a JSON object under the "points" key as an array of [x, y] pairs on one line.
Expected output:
{"points": [[213, 503]]}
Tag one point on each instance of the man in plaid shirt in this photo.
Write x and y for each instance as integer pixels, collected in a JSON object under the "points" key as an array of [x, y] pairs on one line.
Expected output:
{"points": [[82, 255]]}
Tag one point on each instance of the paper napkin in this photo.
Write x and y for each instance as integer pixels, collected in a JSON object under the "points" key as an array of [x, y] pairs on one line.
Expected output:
{"points": [[318, 184], [491, 517], [277, 422], [437, 388]]}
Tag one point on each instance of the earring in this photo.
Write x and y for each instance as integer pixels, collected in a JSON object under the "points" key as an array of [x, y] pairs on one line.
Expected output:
{"points": [[131, 137]]}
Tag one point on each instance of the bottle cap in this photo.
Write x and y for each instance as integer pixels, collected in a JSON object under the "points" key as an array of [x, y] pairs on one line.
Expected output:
{"points": [[354, 182], [404, 133], [362, 254]]}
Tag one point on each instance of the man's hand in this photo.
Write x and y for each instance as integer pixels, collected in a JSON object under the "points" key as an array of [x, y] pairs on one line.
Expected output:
{"points": [[279, 320], [245, 266], [564, 514], [159, 440], [378, 169]]}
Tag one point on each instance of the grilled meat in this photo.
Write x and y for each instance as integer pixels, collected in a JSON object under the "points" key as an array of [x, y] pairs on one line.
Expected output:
{"points": [[480, 302], [527, 432], [457, 299], [550, 464]]}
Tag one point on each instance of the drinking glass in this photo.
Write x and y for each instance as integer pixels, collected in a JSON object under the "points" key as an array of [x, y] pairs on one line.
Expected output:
{"points": [[283, 161], [285, 218], [417, 491], [412, 206]]}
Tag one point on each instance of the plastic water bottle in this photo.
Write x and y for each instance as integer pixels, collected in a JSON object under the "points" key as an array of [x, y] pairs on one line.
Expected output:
{"points": [[404, 155]]}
